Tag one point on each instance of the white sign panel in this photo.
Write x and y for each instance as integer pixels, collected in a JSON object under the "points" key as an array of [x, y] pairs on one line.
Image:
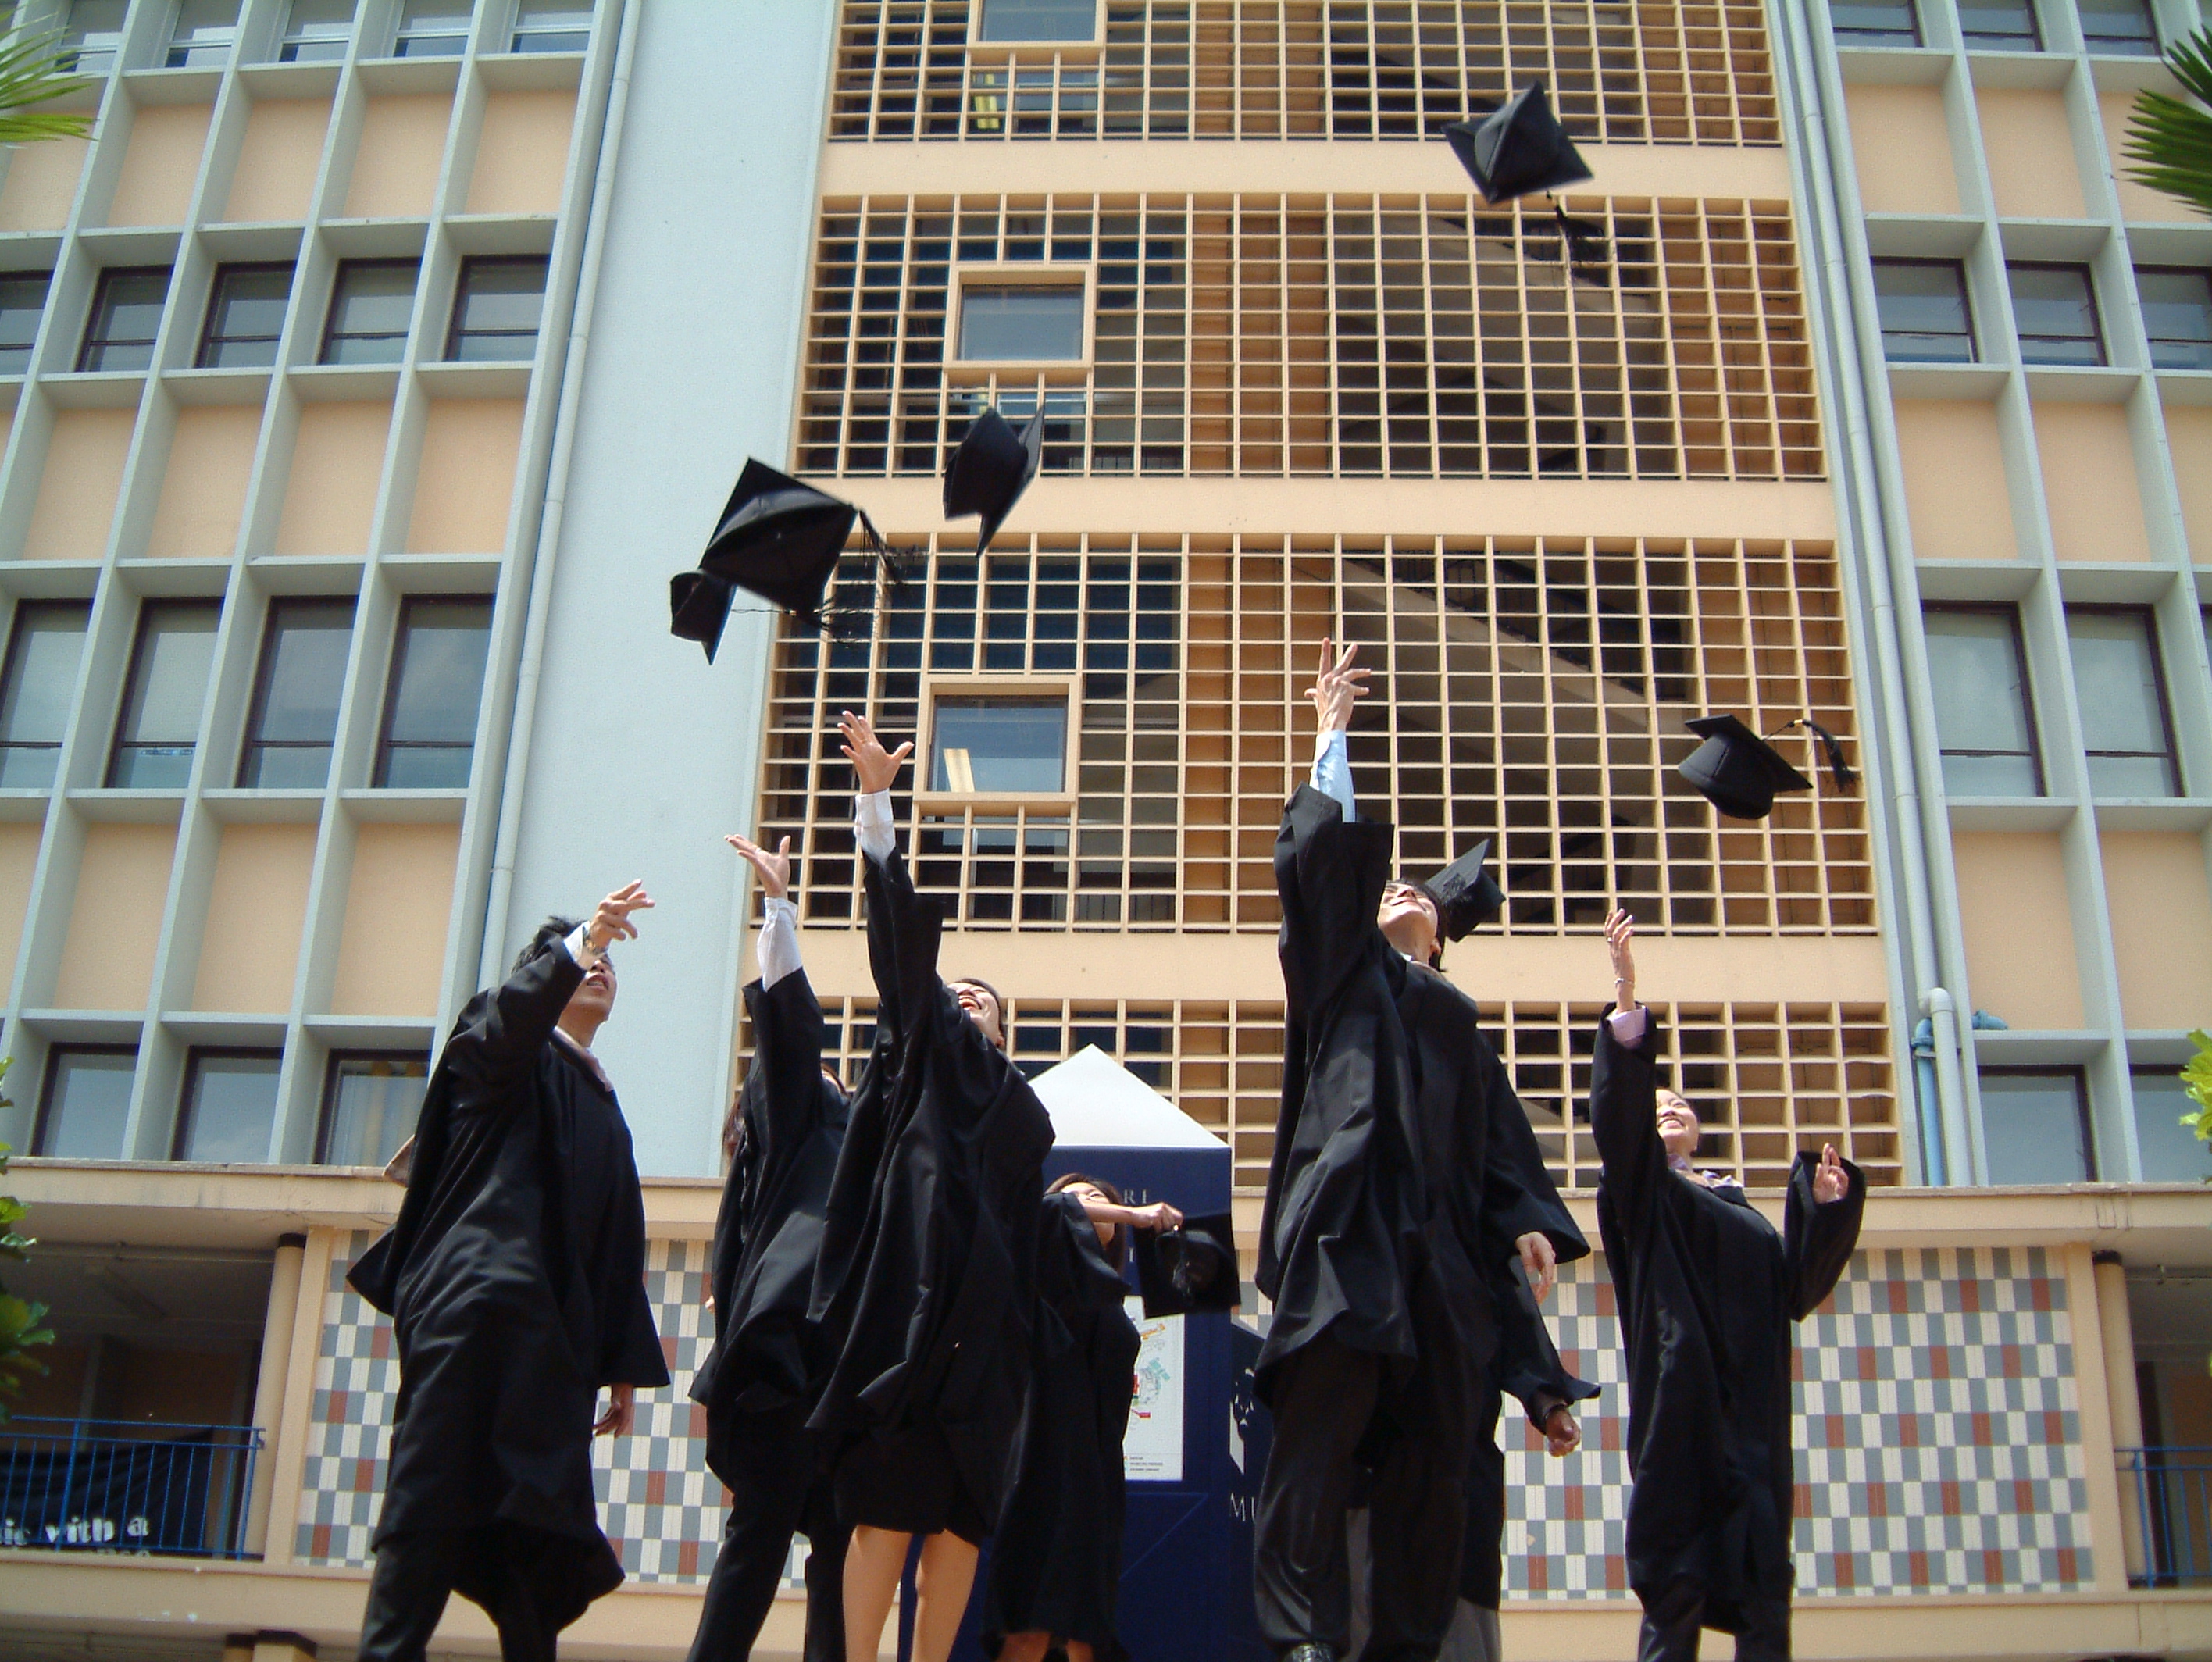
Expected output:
{"points": [[1152, 1452]]}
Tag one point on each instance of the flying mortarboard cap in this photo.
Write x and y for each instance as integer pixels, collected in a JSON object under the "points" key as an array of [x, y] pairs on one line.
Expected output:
{"points": [[1737, 771], [1187, 1271], [993, 467], [1518, 150], [1466, 895], [776, 538]]}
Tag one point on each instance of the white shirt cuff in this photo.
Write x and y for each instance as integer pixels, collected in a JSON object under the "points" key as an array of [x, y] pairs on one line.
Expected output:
{"points": [[871, 820], [778, 951], [1628, 1025], [1332, 769], [578, 945]]}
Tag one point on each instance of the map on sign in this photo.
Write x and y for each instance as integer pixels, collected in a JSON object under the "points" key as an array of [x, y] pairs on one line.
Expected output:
{"points": [[1152, 1451]]}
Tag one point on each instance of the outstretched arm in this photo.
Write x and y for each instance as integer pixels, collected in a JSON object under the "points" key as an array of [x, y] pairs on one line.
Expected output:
{"points": [[777, 950], [500, 1040], [1338, 686], [1624, 1088]]}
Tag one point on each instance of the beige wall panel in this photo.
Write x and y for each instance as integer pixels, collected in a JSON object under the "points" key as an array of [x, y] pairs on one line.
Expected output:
{"points": [[524, 153], [204, 487], [2089, 482], [115, 923], [1954, 481], [256, 909], [155, 186], [2031, 153], [2138, 201], [83, 477], [41, 185], [278, 161], [337, 462], [2018, 933], [395, 170], [19, 858], [397, 905], [467, 480], [1903, 149], [2160, 903], [2189, 436]]}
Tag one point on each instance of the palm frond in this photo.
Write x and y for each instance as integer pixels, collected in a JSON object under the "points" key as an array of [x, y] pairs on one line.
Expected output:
{"points": [[2169, 139], [36, 69]]}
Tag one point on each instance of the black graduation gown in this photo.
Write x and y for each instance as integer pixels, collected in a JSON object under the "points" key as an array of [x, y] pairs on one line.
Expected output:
{"points": [[766, 1355], [1056, 1559], [515, 1280], [1343, 1233], [928, 1275], [1707, 1292]]}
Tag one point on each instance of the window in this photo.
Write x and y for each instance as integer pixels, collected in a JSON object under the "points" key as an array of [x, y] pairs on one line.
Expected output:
{"points": [[295, 719], [126, 315], [203, 35], [160, 721], [2122, 698], [316, 31], [2119, 26], [1999, 26], [997, 746], [547, 25], [1875, 22], [1924, 310], [229, 1106], [2035, 1126], [1040, 20], [1025, 322], [94, 29], [437, 678], [2177, 308], [2055, 309], [244, 316], [371, 304], [85, 1101], [36, 690], [2169, 1150], [1978, 686], [497, 307], [432, 28], [23, 303], [370, 1100]]}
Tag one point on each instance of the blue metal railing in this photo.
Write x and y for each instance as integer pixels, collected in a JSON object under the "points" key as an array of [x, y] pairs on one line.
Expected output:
{"points": [[127, 1486], [2170, 1492]]}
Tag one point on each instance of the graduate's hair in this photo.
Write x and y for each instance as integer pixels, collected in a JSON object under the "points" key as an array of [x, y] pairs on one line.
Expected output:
{"points": [[555, 928], [1120, 1244], [1436, 910], [997, 997]]}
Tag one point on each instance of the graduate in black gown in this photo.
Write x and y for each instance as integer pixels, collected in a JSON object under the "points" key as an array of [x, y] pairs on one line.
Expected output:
{"points": [[1056, 1559], [1404, 1172], [760, 1383], [514, 1279], [927, 1276], [1708, 1292]]}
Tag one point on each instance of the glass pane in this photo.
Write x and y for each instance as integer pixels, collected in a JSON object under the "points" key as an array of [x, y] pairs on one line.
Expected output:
{"points": [[2000, 25], [296, 701], [96, 27], [426, 767], [1989, 776], [1974, 679], [2031, 1128], [23, 303], [1875, 22], [41, 675], [126, 318], [244, 319], [2116, 685], [88, 1100], [2118, 25], [2176, 309], [2055, 315], [317, 31], [999, 744], [1025, 323], [232, 1108], [372, 301], [438, 672], [505, 296], [204, 32], [1040, 20], [546, 26], [432, 28], [374, 1100], [2169, 1150], [2130, 776], [168, 684], [1922, 310]]}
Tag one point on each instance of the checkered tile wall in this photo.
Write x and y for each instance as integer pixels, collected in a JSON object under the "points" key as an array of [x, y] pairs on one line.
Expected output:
{"points": [[1939, 1449]]}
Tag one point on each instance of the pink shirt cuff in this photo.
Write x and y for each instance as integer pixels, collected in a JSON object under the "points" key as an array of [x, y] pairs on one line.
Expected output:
{"points": [[1627, 1026]]}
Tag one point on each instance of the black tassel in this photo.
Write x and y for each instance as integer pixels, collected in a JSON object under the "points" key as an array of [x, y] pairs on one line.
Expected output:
{"points": [[1583, 239], [1834, 748]]}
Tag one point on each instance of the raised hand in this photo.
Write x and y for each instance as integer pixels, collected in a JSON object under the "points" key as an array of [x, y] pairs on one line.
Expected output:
{"points": [[1831, 1182], [611, 923], [1539, 1261], [1619, 931], [876, 766], [1157, 1216], [775, 869], [1338, 686]]}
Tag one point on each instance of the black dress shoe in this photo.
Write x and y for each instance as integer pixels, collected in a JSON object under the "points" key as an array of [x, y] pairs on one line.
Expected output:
{"points": [[1310, 1653]]}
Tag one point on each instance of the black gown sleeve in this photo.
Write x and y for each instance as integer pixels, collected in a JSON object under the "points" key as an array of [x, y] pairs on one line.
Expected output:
{"points": [[1518, 1195], [1818, 1240], [629, 1339], [494, 1047], [1329, 874], [1624, 1118], [1528, 1365]]}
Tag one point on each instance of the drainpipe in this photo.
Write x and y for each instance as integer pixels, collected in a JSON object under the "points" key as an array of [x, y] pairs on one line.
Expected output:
{"points": [[499, 896]]}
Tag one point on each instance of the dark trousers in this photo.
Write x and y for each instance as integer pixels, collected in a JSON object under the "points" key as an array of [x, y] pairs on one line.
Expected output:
{"points": [[1325, 1396], [414, 1575], [1672, 1620], [777, 1489]]}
